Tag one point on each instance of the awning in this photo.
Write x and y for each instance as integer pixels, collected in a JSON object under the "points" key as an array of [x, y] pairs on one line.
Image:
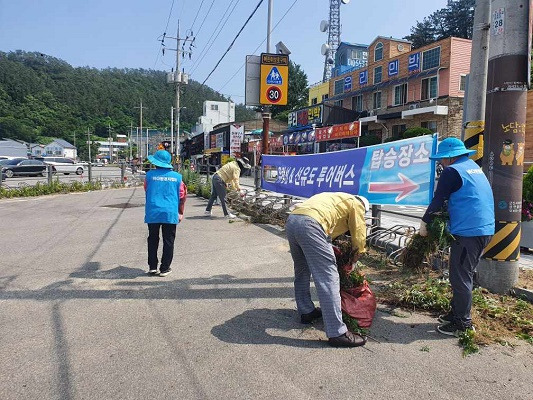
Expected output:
{"points": [[213, 150], [436, 110]]}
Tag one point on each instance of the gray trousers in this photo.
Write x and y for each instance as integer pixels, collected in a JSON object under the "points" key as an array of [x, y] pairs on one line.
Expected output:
{"points": [[312, 254], [218, 189], [464, 258]]}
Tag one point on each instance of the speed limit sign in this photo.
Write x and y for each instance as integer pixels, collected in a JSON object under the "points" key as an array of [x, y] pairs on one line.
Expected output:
{"points": [[274, 94]]}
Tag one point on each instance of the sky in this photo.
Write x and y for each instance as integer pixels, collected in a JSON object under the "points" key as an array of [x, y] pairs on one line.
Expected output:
{"points": [[127, 33]]}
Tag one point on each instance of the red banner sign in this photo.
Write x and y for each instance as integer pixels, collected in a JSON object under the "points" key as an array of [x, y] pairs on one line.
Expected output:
{"points": [[350, 129]]}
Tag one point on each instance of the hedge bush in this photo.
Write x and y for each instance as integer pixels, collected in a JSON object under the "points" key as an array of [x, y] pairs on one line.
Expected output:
{"points": [[56, 186]]}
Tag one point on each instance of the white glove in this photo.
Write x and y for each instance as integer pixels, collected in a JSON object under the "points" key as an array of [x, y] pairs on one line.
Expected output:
{"points": [[423, 230]]}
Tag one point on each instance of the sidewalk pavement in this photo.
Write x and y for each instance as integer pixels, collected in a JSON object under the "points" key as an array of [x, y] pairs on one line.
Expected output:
{"points": [[79, 318]]}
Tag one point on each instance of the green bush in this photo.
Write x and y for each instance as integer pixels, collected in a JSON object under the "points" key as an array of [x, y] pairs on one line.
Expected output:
{"points": [[414, 132], [369, 140], [56, 186]]}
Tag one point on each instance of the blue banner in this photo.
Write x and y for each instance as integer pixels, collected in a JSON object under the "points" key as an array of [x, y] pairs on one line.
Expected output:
{"points": [[394, 67], [397, 173]]}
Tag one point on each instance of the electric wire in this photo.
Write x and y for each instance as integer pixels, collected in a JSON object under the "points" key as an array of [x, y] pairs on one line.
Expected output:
{"points": [[205, 17], [196, 16], [159, 51], [209, 43], [257, 48], [233, 42]]}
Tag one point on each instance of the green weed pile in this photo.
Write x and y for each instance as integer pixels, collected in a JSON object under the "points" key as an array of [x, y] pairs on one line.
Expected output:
{"points": [[421, 248], [348, 279]]}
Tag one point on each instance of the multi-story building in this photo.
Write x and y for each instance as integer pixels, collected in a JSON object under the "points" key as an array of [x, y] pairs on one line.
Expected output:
{"points": [[215, 112], [402, 88]]}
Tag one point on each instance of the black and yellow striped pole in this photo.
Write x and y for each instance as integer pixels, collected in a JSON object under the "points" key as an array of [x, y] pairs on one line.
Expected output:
{"points": [[504, 138], [473, 139]]}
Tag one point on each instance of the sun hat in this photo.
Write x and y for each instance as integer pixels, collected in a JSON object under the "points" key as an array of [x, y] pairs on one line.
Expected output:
{"points": [[451, 147], [161, 158], [363, 200], [244, 162]]}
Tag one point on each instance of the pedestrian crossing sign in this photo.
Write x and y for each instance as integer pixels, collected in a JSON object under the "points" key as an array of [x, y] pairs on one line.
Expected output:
{"points": [[274, 77]]}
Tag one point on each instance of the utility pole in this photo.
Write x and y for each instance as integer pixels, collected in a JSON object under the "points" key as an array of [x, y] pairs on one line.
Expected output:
{"points": [[508, 77], [171, 130], [141, 126], [266, 109], [179, 78], [110, 146], [89, 142], [129, 140], [474, 110]]}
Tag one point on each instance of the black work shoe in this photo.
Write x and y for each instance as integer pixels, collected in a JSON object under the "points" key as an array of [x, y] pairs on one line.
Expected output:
{"points": [[453, 329], [446, 318], [349, 339], [165, 272], [310, 317]]}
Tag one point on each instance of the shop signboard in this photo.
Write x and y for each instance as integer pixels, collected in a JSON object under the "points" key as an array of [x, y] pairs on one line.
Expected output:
{"points": [[213, 141], [414, 62], [300, 137], [341, 131], [306, 116], [274, 80], [219, 140], [398, 173]]}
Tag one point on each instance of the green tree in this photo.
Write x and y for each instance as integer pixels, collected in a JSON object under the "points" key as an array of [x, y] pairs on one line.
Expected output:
{"points": [[456, 19]]}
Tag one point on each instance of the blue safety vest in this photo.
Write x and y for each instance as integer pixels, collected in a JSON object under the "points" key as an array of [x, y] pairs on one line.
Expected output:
{"points": [[162, 196], [471, 208]]}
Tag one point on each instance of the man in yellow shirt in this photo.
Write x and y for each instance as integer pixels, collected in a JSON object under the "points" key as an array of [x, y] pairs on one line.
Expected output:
{"points": [[310, 228], [228, 174]]}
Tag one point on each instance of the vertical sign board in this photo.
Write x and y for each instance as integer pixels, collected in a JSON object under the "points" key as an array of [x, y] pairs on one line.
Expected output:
{"points": [[274, 79], [236, 138], [251, 84]]}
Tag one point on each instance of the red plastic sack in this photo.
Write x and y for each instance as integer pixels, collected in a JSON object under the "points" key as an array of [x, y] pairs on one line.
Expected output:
{"points": [[359, 303]]}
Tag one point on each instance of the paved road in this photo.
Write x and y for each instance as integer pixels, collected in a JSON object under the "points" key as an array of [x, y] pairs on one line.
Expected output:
{"points": [[79, 319]]}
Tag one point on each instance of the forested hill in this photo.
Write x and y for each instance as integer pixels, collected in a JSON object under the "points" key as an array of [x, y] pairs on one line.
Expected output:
{"points": [[43, 97]]}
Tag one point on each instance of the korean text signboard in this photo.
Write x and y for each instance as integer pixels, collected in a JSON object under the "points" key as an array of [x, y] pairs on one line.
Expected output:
{"points": [[236, 138], [306, 116], [351, 129], [274, 79], [398, 173]]}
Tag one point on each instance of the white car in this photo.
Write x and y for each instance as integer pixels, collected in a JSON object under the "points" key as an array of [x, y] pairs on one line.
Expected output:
{"points": [[64, 165]]}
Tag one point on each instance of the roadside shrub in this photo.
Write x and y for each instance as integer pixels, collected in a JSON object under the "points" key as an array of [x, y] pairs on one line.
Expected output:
{"points": [[369, 140], [414, 132], [56, 186]]}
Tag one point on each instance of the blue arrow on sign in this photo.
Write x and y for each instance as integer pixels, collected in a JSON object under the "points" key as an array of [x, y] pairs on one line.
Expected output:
{"points": [[274, 77]]}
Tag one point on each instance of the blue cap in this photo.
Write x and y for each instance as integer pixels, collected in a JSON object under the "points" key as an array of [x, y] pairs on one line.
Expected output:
{"points": [[451, 147], [161, 158]]}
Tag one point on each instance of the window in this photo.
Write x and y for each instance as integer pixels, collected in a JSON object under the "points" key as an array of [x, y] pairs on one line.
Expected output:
{"points": [[429, 88], [214, 107], [400, 94], [462, 83], [339, 87], [314, 100], [398, 130], [378, 71], [357, 103], [338, 103], [324, 97], [431, 125], [376, 100], [431, 58], [378, 52]]}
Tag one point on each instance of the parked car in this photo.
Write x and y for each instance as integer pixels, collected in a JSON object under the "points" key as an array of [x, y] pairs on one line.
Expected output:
{"points": [[22, 166], [64, 165]]}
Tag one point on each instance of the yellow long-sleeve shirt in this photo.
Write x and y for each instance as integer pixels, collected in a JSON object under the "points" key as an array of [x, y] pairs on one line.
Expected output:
{"points": [[337, 213], [230, 173]]}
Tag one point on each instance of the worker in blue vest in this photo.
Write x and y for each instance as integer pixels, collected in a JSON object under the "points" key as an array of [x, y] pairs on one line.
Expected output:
{"points": [[165, 204], [471, 210]]}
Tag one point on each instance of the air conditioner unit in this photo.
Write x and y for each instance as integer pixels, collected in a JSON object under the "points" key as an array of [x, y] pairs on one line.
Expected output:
{"points": [[371, 113], [413, 106]]}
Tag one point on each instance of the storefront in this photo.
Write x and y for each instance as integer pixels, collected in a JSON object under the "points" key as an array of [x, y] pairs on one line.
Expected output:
{"points": [[338, 137]]}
